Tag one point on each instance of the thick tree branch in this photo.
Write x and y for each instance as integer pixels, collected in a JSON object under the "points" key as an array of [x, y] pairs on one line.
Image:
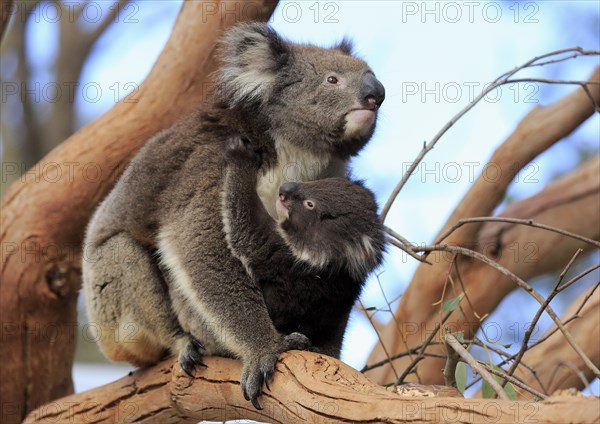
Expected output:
{"points": [[301, 392]]}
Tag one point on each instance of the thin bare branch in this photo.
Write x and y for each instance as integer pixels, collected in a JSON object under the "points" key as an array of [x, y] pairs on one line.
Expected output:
{"points": [[532, 62], [501, 80], [528, 222], [579, 276]]}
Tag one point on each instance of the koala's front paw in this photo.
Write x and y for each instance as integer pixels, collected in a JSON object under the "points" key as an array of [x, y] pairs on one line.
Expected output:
{"points": [[256, 372], [296, 341], [191, 356], [239, 149]]}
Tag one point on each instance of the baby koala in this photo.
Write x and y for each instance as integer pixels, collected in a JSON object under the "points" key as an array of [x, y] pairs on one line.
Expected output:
{"points": [[311, 265]]}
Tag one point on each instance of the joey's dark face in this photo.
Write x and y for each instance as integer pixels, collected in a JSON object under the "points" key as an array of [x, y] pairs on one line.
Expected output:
{"points": [[331, 221], [319, 99]]}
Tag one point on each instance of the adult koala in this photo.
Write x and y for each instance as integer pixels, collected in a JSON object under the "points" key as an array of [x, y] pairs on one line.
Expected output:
{"points": [[159, 277]]}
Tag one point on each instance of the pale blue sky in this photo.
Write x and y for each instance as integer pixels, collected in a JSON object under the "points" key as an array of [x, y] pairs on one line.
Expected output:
{"points": [[428, 55]]}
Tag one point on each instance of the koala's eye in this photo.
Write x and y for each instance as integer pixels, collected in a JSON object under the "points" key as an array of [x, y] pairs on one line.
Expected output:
{"points": [[332, 80], [309, 204]]}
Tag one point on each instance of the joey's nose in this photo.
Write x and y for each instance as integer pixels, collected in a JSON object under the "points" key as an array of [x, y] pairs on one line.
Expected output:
{"points": [[372, 92], [287, 189]]}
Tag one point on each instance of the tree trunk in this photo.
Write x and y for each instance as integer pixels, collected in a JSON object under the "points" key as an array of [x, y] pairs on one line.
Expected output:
{"points": [[44, 214]]}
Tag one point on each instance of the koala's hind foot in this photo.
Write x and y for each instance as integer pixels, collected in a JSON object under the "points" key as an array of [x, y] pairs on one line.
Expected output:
{"points": [[190, 355]]}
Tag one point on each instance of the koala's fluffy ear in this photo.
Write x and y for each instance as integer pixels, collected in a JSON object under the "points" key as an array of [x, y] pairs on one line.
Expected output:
{"points": [[346, 46], [251, 55]]}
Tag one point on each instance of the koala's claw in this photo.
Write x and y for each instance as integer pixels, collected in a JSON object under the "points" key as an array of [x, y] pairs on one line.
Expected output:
{"points": [[256, 404], [191, 356], [197, 344], [257, 371]]}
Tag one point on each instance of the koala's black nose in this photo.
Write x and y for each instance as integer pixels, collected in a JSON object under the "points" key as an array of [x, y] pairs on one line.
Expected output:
{"points": [[372, 92], [287, 189]]}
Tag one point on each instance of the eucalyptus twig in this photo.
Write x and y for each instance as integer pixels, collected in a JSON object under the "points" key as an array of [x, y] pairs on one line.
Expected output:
{"points": [[513, 380], [543, 339], [568, 320], [370, 318], [528, 222], [415, 349], [452, 342], [452, 360], [421, 355], [389, 309], [475, 341], [517, 280], [538, 315], [501, 80]]}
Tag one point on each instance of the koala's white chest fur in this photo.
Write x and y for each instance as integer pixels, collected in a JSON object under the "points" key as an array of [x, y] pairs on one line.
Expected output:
{"points": [[295, 164]]}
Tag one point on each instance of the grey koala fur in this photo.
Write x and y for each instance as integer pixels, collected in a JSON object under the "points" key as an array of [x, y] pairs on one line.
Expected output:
{"points": [[310, 265], [157, 272]]}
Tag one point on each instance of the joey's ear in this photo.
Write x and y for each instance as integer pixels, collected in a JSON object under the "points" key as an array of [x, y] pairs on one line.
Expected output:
{"points": [[251, 55], [346, 46]]}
